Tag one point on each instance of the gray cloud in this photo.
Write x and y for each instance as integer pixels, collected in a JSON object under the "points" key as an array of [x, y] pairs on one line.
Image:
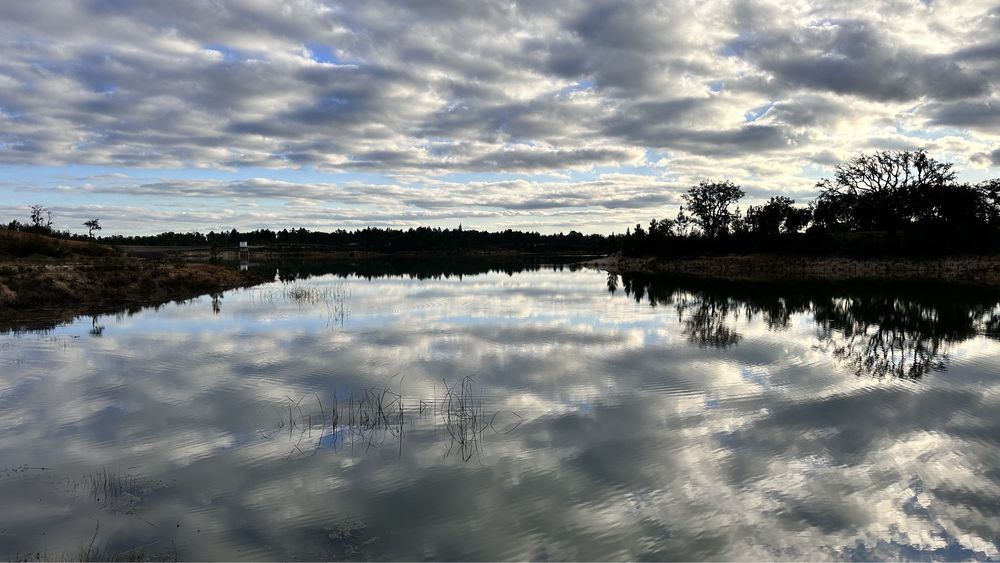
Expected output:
{"points": [[443, 87], [852, 57], [610, 191], [982, 114]]}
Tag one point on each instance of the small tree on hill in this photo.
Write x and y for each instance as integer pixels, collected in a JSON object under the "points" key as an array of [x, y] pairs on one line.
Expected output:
{"points": [[41, 217], [92, 225], [709, 202]]}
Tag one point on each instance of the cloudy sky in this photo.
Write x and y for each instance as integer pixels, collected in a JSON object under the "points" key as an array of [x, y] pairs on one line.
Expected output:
{"points": [[548, 116]]}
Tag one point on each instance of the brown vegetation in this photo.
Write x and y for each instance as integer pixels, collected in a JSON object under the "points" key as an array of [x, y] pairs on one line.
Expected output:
{"points": [[984, 270], [60, 279], [20, 244]]}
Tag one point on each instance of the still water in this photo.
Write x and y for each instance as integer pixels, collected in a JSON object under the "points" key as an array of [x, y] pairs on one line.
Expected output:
{"points": [[389, 411]]}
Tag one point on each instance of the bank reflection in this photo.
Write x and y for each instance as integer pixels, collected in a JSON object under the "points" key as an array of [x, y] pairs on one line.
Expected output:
{"points": [[418, 268], [303, 269], [874, 329]]}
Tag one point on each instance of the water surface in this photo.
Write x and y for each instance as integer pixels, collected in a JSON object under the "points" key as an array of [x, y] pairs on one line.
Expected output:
{"points": [[448, 411]]}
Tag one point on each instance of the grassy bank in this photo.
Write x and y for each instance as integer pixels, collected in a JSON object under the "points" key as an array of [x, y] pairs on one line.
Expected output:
{"points": [[983, 270], [42, 278]]}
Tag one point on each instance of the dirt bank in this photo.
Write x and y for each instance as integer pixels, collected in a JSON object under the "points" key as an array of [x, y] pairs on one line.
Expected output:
{"points": [[41, 293], [983, 270]]}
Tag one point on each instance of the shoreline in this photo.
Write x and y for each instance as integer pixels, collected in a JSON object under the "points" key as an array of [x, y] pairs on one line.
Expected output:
{"points": [[44, 293], [973, 269], [265, 254]]}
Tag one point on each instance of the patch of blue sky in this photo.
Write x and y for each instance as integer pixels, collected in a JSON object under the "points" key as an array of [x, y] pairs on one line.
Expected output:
{"points": [[231, 54], [7, 113], [653, 155], [717, 85], [577, 87], [757, 112], [323, 53], [732, 49], [333, 102]]}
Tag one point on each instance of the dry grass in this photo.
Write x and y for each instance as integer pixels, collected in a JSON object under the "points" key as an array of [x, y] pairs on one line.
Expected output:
{"points": [[765, 267], [19, 244], [38, 295]]}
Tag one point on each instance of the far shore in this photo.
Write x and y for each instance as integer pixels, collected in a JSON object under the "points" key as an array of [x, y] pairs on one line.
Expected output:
{"points": [[267, 253], [975, 269], [41, 294], [44, 280]]}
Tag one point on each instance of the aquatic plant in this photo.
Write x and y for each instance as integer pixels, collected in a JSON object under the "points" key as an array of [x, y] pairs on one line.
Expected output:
{"points": [[110, 485], [370, 417]]}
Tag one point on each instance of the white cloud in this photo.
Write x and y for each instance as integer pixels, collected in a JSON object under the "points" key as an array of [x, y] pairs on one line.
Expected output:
{"points": [[765, 93]]}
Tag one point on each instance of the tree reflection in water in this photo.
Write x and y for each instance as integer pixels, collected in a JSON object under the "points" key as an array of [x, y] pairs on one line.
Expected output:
{"points": [[875, 329]]}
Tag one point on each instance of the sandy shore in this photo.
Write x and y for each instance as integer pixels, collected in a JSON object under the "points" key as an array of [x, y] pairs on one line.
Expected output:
{"points": [[762, 267]]}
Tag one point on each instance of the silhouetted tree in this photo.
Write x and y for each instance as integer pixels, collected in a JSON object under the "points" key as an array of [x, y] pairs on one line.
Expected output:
{"points": [[709, 204], [989, 195], [41, 217], [777, 216], [880, 191], [92, 225], [682, 225]]}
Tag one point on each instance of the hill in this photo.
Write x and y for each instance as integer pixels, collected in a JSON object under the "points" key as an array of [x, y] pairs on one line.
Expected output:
{"points": [[20, 244]]}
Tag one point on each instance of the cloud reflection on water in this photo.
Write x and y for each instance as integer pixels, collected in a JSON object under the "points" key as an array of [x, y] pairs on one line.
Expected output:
{"points": [[722, 422]]}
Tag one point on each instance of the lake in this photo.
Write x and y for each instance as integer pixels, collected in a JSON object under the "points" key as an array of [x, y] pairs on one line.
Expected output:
{"points": [[444, 410]]}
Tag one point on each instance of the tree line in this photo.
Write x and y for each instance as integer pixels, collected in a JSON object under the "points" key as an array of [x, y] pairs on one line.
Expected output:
{"points": [[887, 202], [373, 239], [369, 239]]}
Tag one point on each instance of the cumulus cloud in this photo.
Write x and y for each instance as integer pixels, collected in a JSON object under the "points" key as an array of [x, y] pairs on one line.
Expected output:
{"points": [[853, 57], [421, 91]]}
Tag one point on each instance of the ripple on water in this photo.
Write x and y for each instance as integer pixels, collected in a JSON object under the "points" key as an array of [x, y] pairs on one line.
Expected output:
{"points": [[829, 425]]}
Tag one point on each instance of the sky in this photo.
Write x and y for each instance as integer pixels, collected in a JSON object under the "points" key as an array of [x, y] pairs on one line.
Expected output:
{"points": [[546, 116]]}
